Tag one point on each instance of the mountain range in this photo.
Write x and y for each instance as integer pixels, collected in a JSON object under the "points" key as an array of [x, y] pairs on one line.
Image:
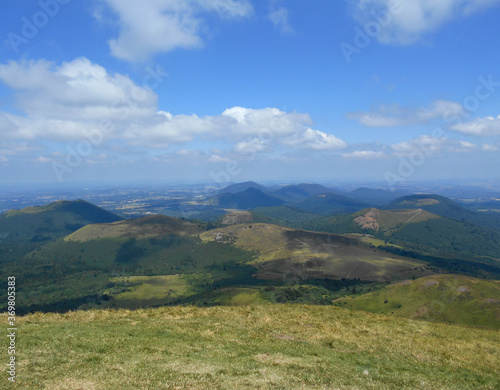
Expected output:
{"points": [[302, 243]]}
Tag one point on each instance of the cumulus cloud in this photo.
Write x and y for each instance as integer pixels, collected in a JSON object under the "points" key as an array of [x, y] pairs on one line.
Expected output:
{"points": [[67, 101], [396, 115], [153, 26], [410, 20], [80, 99], [488, 126]]}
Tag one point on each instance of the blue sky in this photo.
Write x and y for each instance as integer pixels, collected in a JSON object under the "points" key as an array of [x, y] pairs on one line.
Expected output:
{"points": [[224, 90]]}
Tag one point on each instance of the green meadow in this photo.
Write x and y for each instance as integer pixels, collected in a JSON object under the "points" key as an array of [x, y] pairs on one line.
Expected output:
{"points": [[251, 347]]}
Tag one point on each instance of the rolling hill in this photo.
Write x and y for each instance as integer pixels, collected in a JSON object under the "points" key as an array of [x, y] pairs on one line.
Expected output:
{"points": [[424, 232], [445, 298], [240, 187], [286, 253], [42, 223], [159, 260], [21, 231], [77, 271], [139, 228], [445, 207], [245, 200]]}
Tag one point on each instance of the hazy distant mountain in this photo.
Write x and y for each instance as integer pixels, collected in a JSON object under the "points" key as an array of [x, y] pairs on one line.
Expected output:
{"points": [[239, 187], [330, 203], [300, 192], [376, 197], [245, 200]]}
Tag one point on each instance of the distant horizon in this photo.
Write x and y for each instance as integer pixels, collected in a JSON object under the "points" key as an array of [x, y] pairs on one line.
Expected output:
{"points": [[331, 184]]}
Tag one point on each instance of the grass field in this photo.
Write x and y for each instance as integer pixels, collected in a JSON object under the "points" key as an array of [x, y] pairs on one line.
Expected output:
{"points": [[251, 347], [446, 298], [138, 291]]}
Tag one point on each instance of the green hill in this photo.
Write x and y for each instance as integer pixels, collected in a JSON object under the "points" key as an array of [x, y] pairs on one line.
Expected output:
{"points": [[446, 298], [285, 253], [445, 207], [251, 347], [76, 270], [42, 223], [240, 187], [159, 260], [24, 230], [139, 228], [424, 232]]}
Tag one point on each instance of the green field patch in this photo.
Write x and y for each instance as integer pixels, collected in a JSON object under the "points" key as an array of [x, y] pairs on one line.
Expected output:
{"points": [[140, 291], [238, 296]]}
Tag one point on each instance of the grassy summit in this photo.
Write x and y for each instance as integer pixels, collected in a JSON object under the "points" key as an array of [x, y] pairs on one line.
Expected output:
{"points": [[251, 347]]}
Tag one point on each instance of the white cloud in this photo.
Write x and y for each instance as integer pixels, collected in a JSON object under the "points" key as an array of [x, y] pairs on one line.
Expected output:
{"points": [[79, 99], [66, 101], [409, 20], [153, 26], [315, 140], [429, 145], [467, 145], [489, 148], [279, 17], [396, 115], [254, 145], [364, 154], [424, 143], [488, 126]]}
